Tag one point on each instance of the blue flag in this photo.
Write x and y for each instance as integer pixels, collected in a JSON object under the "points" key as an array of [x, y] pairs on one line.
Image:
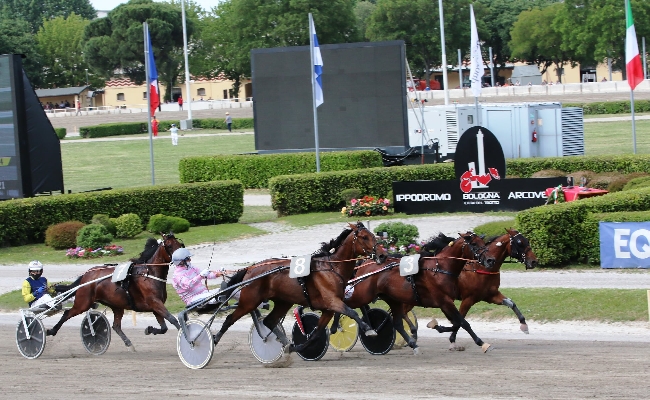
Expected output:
{"points": [[318, 65], [153, 77]]}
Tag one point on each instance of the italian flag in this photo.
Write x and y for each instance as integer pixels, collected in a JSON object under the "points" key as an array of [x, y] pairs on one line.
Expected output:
{"points": [[632, 59]]}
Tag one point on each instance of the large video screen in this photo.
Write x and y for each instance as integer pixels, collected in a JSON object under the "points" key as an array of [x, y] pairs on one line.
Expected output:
{"points": [[364, 97], [10, 180]]}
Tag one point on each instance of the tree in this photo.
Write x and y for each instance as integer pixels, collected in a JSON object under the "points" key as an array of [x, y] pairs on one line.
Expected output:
{"points": [[116, 43], [595, 29], [59, 42], [417, 23], [34, 12], [362, 11], [534, 39], [16, 38], [238, 26]]}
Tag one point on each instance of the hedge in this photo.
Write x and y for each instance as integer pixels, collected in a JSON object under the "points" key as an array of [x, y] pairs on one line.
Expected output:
{"points": [[297, 194], [557, 232], [254, 171], [135, 128], [590, 248], [611, 107], [525, 167], [25, 220], [60, 132]]}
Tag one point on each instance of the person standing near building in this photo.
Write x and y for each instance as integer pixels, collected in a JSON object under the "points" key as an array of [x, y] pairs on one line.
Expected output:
{"points": [[229, 122], [154, 126], [78, 107], [180, 103], [174, 132]]}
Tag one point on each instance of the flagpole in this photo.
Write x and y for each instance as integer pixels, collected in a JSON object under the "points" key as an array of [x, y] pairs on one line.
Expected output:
{"points": [[313, 89], [146, 68], [187, 65], [633, 122], [444, 52]]}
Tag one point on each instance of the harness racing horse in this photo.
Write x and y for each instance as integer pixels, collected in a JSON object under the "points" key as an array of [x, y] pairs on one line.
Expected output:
{"points": [[330, 269], [435, 285], [477, 283], [147, 291]]}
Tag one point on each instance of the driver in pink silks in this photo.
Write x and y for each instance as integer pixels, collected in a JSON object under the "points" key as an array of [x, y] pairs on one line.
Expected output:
{"points": [[188, 280]]}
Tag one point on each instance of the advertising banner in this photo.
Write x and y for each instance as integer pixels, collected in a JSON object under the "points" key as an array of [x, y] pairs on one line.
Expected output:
{"points": [[624, 244]]}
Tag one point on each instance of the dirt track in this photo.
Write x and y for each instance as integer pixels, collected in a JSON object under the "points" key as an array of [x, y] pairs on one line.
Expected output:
{"points": [[515, 369]]}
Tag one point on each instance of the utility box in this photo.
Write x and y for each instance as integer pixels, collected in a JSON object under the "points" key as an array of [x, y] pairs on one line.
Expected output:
{"points": [[186, 124], [524, 130]]}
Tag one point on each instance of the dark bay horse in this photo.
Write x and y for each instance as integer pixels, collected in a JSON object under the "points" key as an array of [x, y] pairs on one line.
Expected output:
{"points": [[331, 267], [147, 290], [435, 285], [477, 283]]}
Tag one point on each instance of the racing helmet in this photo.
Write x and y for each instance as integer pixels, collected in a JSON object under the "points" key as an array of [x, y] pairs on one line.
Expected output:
{"points": [[35, 269], [180, 255]]}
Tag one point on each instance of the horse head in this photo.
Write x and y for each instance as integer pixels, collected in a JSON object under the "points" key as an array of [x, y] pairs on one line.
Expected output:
{"points": [[477, 248], [170, 243], [365, 243], [520, 249]]}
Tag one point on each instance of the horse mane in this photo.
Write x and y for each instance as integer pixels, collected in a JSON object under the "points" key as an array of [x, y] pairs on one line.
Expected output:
{"points": [[436, 244], [491, 239], [150, 248], [326, 248]]}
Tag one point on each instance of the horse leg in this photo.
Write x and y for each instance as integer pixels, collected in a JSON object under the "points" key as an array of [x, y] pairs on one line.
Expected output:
{"points": [[271, 321], [243, 308], [414, 330], [335, 323], [505, 301], [457, 320], [118, 313], [163, 327], [161, 313], [398, 315], [77, 308], [315, 333], [340, 307]]}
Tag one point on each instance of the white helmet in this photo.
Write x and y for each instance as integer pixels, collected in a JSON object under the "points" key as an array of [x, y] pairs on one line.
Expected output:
{"points": [[35, 266], [180, 255]]}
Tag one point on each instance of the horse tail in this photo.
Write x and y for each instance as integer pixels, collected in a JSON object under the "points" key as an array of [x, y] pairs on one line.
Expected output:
{"points": [[237, 278], [64, 288]]}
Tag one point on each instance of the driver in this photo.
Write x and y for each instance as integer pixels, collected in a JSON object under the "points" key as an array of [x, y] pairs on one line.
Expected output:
{"points": [[35, 286], [187, 278]]}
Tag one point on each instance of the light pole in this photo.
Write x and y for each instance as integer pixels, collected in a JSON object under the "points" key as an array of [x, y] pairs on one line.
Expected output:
{"points": [[188, 99]]}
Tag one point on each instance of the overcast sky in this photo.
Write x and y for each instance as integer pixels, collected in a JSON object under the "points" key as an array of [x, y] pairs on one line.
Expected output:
{"points": [[107, 5]]}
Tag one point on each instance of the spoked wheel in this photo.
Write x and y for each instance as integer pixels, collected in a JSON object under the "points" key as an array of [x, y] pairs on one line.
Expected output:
{"points": [[33, 347], [197, 349], [346, 334], [317, 349], [382, 323], [95, 338], [266, 348], [399, 340]]}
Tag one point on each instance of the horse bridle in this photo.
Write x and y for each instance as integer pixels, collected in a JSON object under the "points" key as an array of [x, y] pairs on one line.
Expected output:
{"points": [[477, 251], [371, 255], [514, 253]]}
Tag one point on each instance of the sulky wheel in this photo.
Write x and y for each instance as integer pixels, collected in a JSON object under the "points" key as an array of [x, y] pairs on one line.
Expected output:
{"points": [[346, 334], [317, 349], [95, 333], [33, 346], [197, 349], [266, 348], [399, 340], [382, 323]]}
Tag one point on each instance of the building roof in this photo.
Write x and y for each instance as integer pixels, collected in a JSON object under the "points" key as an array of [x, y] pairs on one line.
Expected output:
{"points": [[68, 91]]}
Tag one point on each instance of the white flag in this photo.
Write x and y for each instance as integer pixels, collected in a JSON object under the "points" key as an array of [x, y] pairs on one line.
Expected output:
{"points": [[477, 66], [318, 64]]}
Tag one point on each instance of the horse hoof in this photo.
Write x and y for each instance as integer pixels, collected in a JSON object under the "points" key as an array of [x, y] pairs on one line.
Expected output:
{"points": [[454, 347], [130, 349], [283, 362], [288, 349], [50, 332], [416, 351], [147, 331], [524, 328], [432, 324], [370, 332], [486, 347]]}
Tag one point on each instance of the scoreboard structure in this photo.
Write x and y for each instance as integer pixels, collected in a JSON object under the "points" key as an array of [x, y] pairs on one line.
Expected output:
{"points": [[30, 151]]}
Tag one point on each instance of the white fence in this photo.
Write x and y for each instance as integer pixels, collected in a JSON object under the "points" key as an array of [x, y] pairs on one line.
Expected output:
{"points": [[142, 108]]}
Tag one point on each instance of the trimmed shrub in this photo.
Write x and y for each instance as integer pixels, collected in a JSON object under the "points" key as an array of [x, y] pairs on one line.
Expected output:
{"points": [[162, 223], [135, 128], [611, 107], [104, 219], [637, 183], [495, 228], [128, 225], [93, 236], [64, 235], [60, 132], [348, 194], [399, 233]]}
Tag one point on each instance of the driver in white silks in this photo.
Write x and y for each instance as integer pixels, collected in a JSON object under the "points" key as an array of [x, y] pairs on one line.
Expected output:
{"points": [[188, 279]]}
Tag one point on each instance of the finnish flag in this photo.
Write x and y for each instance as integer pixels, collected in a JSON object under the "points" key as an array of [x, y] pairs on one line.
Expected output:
{"points": [[318, 66]]}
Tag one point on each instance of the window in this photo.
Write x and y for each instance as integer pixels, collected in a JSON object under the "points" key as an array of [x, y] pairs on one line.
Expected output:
{"points": [[200, 92], [144, 95], [120, 97], [225, 93]]}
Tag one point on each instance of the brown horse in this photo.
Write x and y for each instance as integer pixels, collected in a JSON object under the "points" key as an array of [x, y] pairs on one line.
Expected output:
{"points": [[331, 267], [147, 289], [435, 285], [477, 283]]}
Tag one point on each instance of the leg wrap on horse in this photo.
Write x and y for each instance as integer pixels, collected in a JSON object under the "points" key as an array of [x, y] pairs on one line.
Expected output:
{"points": [[508, 302]]}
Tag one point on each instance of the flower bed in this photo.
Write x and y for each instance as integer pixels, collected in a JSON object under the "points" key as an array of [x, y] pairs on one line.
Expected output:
{"points": [[366, 206], [80, 252]]}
